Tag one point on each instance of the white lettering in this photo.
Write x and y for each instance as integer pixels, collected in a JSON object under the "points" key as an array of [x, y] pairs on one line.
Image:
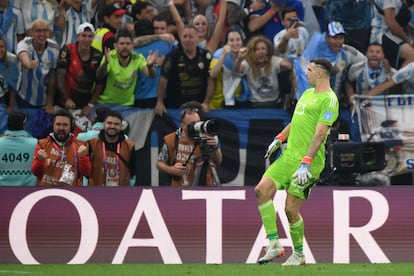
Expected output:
{"points": [[147, 205], [343, 231], [261, 240], [20, 215], [214, 221]]}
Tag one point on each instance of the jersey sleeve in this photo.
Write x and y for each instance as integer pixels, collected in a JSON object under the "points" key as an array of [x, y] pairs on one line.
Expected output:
{"points": [[329, 109]]}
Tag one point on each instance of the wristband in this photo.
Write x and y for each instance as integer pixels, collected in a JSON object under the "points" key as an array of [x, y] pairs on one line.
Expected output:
{"points": [[91, 105], [281, 137], [307, 160], [150, 65]]}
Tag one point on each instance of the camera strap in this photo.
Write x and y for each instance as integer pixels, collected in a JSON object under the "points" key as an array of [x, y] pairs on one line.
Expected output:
{"points": [[176, 148]]}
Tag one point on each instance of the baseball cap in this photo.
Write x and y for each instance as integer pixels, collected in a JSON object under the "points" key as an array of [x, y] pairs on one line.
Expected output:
{"points": [[16, 120], [335, 28], [85, 27], [111, 9]]}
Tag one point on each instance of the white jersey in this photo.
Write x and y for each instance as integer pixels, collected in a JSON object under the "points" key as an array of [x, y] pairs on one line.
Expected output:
{"points": [[406, 75], [366, 78], [378, 25], [11, 25], [295, 45], [32, 84], [264, 88], [34, 9], [8, 74], [73, 19]]}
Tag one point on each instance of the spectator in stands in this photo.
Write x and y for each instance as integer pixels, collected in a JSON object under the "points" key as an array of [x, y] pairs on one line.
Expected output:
{"points": [[158, 31], [37, 80], [121, 67], [105, 36], [267, 21], [227, 89], [51, 12], [9, 74], [146, 89], [113, 155], [261, 68], [238, 12], [76, 13], [160, 24], [207, 39], [330, 46], [76, 73], [12, 28], [292, 40], [184, 73], [355, 16], [16, 151], [390, 19], [403, 76], [181, 151], [365, 75], [59, 159], [143, 10]]}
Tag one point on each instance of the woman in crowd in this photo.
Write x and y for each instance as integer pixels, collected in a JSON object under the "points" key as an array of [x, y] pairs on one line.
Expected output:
{"points": [[261, 69], [227, 88]]}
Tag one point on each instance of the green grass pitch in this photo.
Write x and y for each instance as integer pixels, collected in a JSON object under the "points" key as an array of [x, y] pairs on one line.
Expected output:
{"points": [[209, 269]]}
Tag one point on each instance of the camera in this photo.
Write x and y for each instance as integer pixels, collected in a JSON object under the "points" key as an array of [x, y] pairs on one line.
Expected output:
{"points": [[357, 157], [197, 130]]}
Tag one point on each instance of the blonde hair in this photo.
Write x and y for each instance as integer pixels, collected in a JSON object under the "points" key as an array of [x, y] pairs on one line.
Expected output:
{"points": [[251, 58], [204, 18]]}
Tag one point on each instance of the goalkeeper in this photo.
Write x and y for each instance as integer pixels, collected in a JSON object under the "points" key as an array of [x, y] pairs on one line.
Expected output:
{"points": [[301, 163]]}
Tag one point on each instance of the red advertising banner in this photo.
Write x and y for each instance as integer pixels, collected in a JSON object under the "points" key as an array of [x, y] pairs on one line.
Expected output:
{"points": [[198, 225]]}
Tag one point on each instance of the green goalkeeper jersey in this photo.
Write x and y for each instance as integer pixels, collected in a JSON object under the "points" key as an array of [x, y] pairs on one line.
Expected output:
{"points": [[311, 109]]}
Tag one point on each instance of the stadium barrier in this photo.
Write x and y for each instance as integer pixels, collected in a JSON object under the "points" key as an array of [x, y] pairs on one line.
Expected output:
{"points": [[198, 225]]}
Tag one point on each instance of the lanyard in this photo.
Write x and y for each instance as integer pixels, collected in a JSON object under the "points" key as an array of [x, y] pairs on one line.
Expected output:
{"points": [[118, 147], [63, 156]]}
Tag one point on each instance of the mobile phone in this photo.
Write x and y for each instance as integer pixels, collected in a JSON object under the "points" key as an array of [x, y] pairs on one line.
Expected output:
{"points": [[294, 22]]}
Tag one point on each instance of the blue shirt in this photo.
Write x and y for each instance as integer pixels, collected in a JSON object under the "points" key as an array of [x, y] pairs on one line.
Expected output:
{"points": [[147, 88]]}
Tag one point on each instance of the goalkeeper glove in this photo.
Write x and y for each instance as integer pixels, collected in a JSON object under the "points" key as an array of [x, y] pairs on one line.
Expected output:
{"points": [[303, 174], [277, 142]]}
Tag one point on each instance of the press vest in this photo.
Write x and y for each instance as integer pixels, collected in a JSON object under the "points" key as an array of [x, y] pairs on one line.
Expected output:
{"points": [[113, 162]]}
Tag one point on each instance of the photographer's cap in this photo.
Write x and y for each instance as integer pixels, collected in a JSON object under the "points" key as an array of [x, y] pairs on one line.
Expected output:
{"points": [[335, 28]]}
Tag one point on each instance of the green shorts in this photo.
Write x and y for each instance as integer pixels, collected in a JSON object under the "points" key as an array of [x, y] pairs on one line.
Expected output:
{"points": [[281, 172]]}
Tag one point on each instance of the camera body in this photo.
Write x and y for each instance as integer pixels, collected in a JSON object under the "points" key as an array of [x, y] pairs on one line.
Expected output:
{"points": [[199, 130], [353, 157]]}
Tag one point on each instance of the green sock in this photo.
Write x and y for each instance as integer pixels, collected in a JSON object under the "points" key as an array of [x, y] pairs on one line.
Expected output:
{"points": [[297, 232], [268, 215]]}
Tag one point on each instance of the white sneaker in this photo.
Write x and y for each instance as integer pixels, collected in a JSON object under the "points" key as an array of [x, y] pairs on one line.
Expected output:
{"points": [[295, 259], [274, 250]]}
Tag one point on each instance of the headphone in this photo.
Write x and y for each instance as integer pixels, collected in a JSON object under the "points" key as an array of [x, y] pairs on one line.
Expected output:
{"points": [[65, 113]]}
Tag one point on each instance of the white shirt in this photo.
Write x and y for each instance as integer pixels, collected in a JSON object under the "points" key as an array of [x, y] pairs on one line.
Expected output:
{"points": [[295, 45]]}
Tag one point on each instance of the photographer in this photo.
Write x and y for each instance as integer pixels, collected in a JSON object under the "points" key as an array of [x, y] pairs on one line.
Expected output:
{"points": [[186, 154]]}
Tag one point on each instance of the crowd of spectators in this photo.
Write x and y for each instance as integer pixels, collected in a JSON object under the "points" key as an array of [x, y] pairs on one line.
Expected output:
{"points": [[223, 54]]}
